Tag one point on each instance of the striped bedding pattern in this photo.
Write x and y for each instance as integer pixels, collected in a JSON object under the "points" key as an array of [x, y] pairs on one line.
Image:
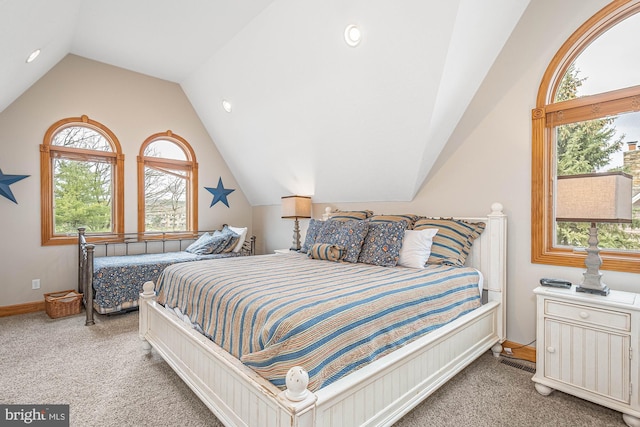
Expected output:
{"points": [[274, 312]]}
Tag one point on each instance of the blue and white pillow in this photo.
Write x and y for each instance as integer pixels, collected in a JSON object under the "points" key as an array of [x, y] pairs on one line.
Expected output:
{"points": [[453, 242], [312, 233], [347, 234], [382, 244]]}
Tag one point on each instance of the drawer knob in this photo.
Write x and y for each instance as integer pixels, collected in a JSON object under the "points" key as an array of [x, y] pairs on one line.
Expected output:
{"points": [[584, 314], [551, 349]]}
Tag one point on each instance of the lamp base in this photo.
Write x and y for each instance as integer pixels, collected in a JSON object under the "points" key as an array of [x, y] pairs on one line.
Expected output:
{"points": [[604, 290]]}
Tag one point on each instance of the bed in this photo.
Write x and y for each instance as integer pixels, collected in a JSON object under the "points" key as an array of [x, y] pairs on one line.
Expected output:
{"points": [[290, 384], [111, 281]]}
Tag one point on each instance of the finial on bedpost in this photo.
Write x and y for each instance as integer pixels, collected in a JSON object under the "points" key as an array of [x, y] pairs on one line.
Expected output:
{"points": [[327, 213], [496, 209], [148, 290], [297, 381]]}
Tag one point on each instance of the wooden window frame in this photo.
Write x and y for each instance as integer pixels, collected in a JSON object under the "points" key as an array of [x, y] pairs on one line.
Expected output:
{"points": [[190, 166], [549, 114], [48, 152]]}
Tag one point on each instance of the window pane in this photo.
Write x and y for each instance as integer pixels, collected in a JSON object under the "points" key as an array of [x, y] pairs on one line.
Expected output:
{"points": [[611, 61], [81, 137], [601, 145], [165, 198], [82, 196], [165, 149]]}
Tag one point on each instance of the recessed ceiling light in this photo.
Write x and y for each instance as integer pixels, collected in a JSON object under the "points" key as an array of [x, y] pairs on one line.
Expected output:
{"points": [[33, 56], [226, 105], [352, 35]]}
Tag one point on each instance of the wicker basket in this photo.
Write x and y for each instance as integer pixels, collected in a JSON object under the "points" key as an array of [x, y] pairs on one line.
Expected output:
{"points": [[63, 303]]}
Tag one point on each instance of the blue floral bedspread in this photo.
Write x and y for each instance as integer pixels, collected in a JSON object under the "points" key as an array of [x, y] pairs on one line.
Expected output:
{"points": [[118, 280]]}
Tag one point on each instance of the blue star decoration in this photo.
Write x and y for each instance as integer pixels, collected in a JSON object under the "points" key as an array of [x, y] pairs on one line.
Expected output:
{"points": [[6, 181], [220, 193]]}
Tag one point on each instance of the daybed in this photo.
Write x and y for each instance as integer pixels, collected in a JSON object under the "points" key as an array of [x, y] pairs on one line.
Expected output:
{"points": [[112, 281], [287, 362]]}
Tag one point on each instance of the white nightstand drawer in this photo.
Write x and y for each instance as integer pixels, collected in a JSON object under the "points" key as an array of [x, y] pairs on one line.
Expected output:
{"points": [[584, 314]]}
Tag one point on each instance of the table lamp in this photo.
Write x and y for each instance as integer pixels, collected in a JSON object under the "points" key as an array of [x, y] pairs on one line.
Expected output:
{"points": [[594, 198], [296, 207]]}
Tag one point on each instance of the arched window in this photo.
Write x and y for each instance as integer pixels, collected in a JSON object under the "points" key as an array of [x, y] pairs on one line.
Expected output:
{"points": [[587, 120], [167, 184], [82, 176]]}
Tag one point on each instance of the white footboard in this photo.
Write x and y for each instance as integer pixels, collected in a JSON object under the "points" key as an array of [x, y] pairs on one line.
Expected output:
{"points": [[377, 394]]}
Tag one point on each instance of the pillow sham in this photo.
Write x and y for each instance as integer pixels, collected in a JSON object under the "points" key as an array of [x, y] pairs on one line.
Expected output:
{"points": [[348, 234], [452, 243], [410, 219], [214, 243], [228, 240], [312, 233], [327, 252], [382, 244], [350, 215], [201, 246], [242, 232], [416, 247]]}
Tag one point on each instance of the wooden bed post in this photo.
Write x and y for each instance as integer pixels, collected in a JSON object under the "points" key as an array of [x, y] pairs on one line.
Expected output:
{"points": [[148, 294]]}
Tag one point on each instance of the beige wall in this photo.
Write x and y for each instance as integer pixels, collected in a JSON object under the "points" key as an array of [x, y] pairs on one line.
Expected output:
{"points": [[133, 106]]}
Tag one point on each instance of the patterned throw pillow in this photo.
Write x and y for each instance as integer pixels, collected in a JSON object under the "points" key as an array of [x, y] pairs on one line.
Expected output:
{"points": [[454, 239], [214, 243], [312, 232], [327, 252], [409, 218], [350, 215], [202, 245], [231, 240], [347, 234], [382, 244]]}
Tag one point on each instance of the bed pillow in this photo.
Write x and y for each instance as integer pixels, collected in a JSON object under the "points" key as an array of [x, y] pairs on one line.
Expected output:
{"points": [[327, 252], [382, 244], [347, 234], [350, 215], [228, 241], [312, 233], [242, 232], [214, 243], [409, 218], [416, 247], [454, 239], [202, 245]]}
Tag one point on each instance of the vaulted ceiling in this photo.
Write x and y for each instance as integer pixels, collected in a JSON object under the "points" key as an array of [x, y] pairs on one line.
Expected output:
{"points": [[309, 114]]}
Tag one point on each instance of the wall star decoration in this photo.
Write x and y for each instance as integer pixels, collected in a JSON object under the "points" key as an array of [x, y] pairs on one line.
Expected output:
{"points": [[220, 193], [6, 181]]}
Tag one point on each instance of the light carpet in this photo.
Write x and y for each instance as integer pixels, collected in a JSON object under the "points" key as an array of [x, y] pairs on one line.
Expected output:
{"points": [[107, 379]]}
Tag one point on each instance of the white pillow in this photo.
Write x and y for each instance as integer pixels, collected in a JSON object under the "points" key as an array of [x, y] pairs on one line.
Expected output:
{"points": [[242, 232], [416, 247]]}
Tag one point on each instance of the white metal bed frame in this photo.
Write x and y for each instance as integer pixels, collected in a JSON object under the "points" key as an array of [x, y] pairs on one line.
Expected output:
{"points": [[377, 394]]}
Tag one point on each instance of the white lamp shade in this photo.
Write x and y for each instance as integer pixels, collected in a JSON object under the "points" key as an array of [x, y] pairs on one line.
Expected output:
{"points": [[597, 197], [296, 207]]}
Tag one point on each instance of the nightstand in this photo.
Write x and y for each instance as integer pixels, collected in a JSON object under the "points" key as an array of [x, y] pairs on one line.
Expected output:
{"points": [[588, 346]]}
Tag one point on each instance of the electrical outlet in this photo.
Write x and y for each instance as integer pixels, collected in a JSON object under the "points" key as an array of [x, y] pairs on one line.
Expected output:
{"points": [[35, 284]]}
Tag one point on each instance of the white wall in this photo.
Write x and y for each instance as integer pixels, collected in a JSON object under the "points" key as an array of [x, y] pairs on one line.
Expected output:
{"points": [[488, 159], [134, 107]]}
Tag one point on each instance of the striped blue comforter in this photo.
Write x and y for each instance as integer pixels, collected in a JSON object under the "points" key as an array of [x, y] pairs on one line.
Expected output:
{"points": [[274, 312]]}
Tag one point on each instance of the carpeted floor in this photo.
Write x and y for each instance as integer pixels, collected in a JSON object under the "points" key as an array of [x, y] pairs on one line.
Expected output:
{"points": [[107, 379]]}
